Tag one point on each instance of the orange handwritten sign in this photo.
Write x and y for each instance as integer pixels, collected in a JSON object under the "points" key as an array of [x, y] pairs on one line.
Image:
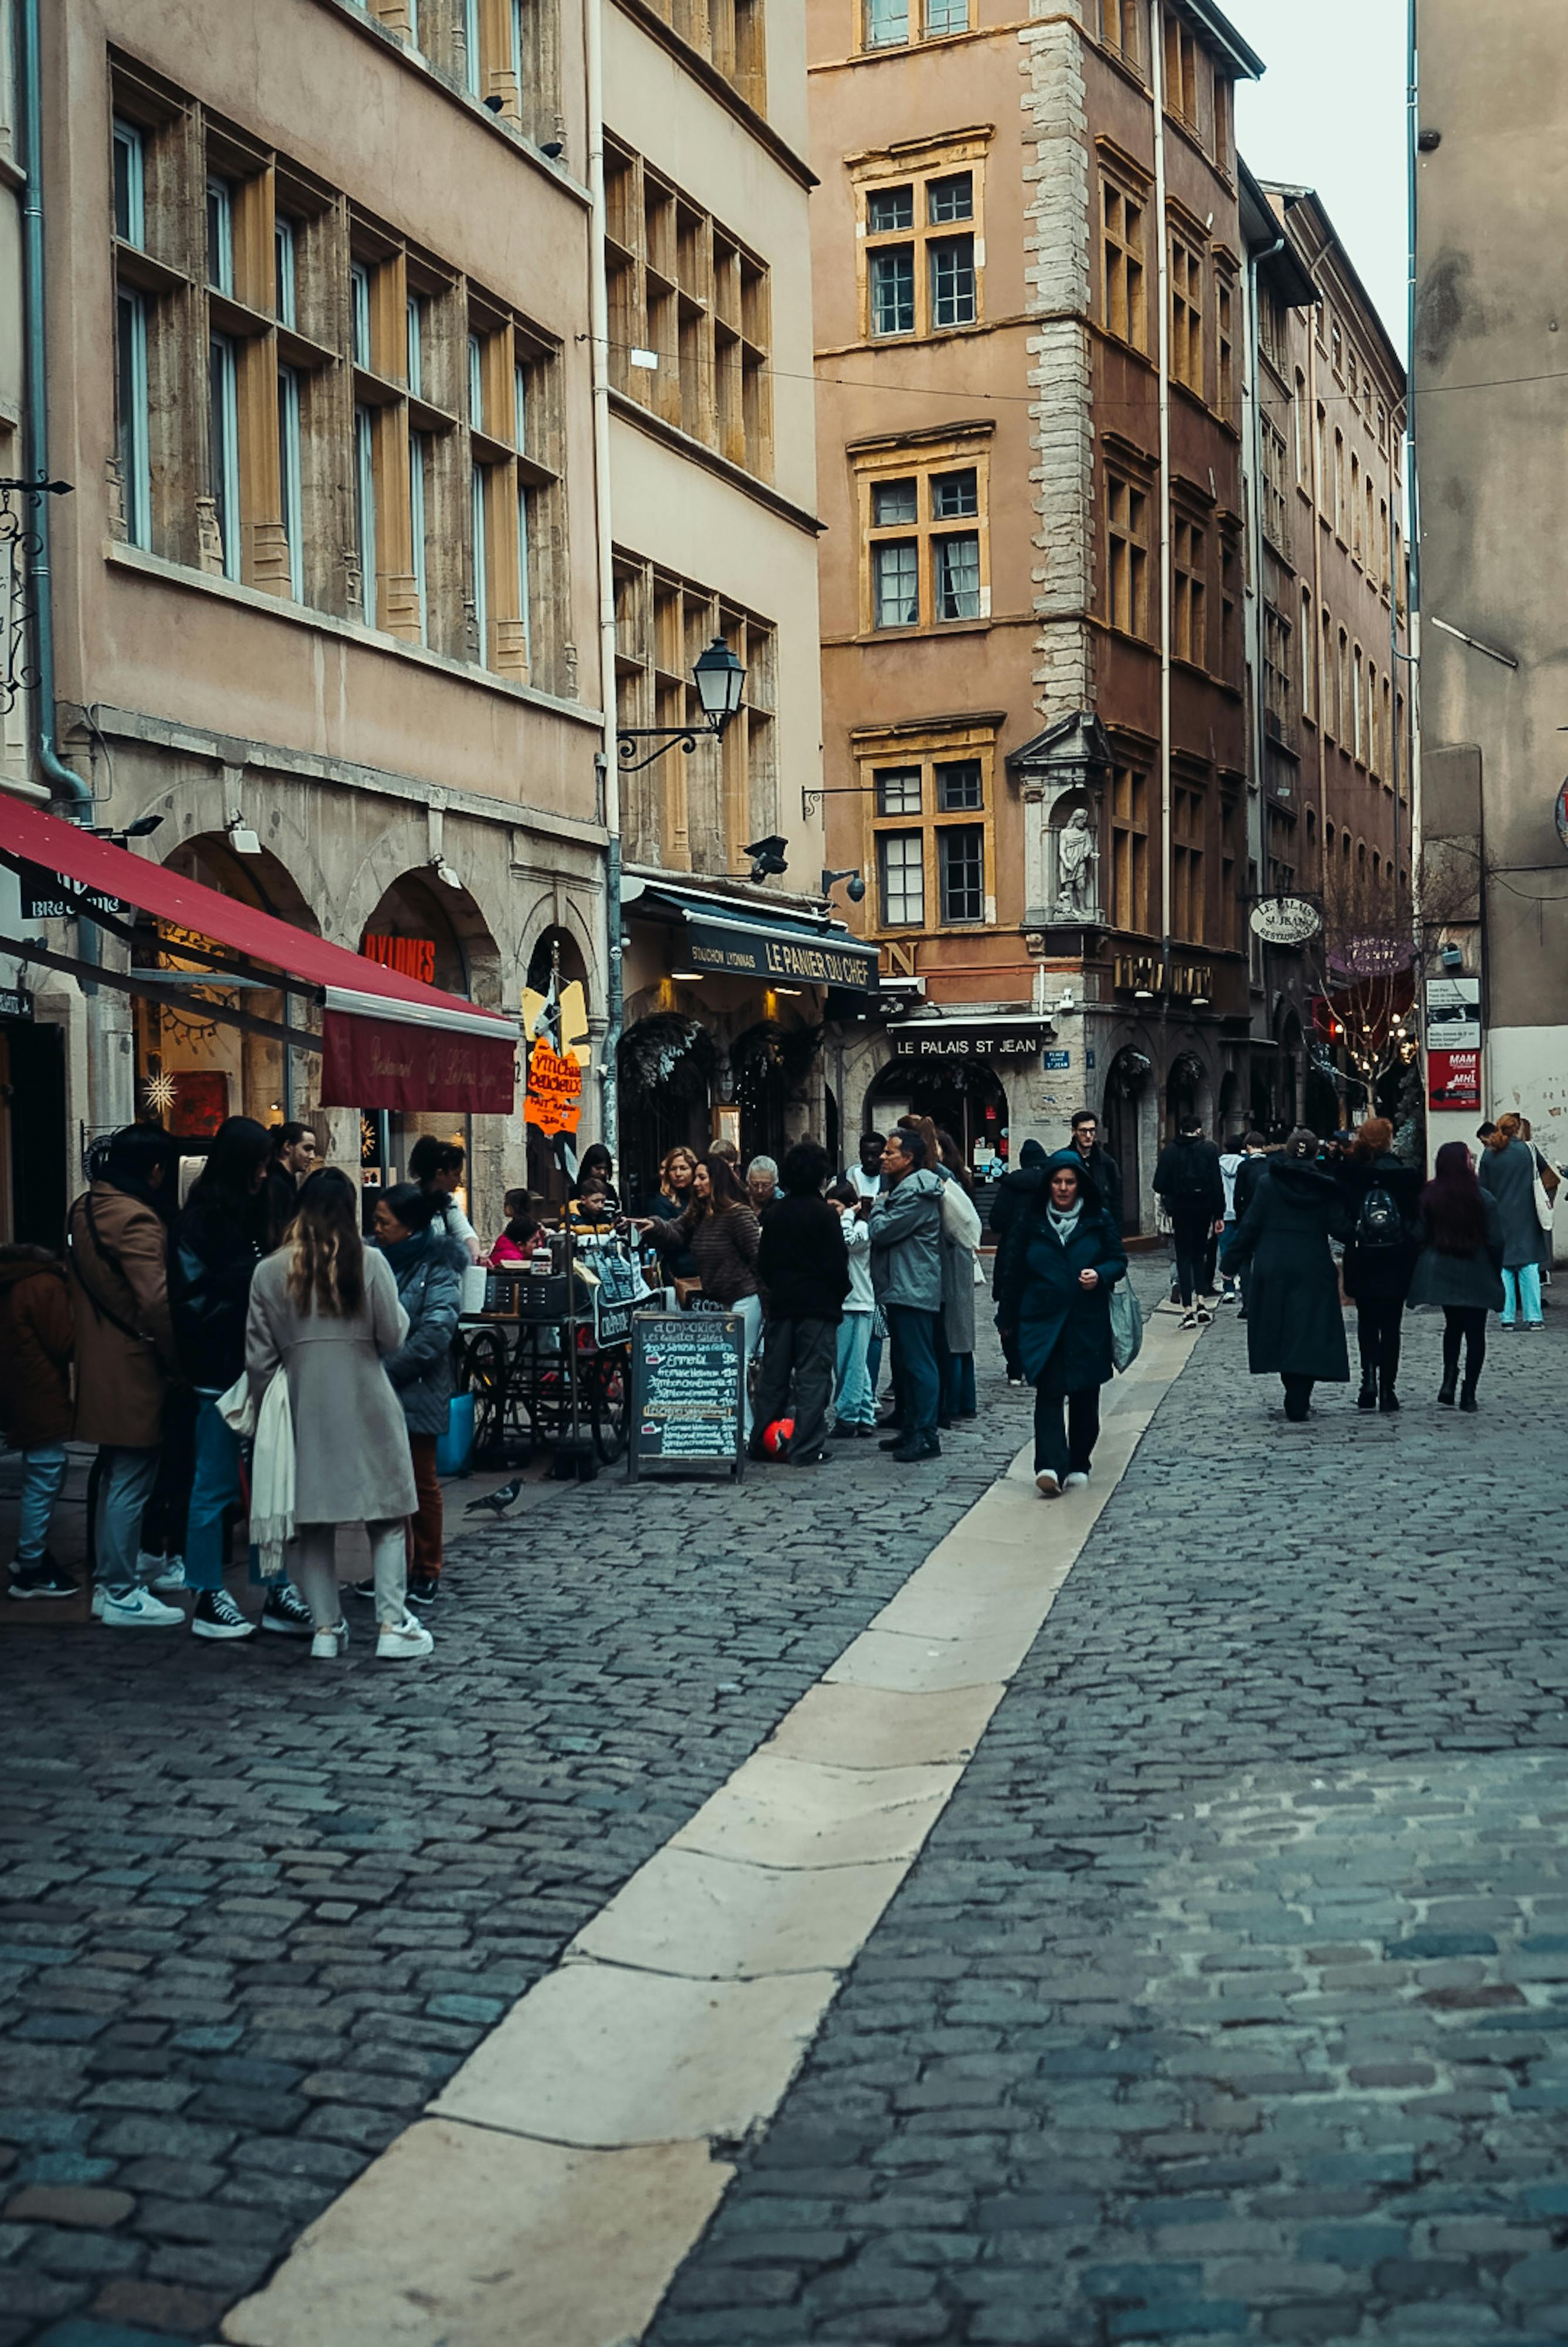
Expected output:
{"points": [[555, 1090]]}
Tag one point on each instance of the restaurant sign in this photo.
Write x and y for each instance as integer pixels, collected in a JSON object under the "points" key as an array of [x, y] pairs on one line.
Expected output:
{"points": [[51, 897], [968, 1042], [553, 1102], [780, 957], [391, 1063]]}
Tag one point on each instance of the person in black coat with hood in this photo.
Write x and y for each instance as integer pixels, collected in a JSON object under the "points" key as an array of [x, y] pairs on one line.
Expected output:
{"points": [[1061, 1257], [1381, 1195], [1296, 1325], [1015, 1192], [1192, 1189], [803, 1272]]}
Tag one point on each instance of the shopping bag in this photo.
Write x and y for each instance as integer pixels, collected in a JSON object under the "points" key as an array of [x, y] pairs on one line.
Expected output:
{"points": [[455, 1449], [1126, 1325]]}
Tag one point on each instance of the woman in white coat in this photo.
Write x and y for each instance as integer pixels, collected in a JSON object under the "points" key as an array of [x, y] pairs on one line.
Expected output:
{"points": [[325, 1308]]}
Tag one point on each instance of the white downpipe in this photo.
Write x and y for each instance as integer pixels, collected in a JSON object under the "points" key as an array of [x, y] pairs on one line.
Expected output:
{"points": [[1162, 293], [609, 761]]}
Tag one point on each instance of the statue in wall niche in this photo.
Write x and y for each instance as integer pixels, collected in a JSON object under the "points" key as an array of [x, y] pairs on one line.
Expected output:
{"points": [[1077, 854]]}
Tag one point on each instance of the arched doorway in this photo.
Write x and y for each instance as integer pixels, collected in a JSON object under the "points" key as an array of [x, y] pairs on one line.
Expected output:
{"points": [[964, 1098], [1230, 1108], [772, 1064], [664, 1068], [1126, 1105], [438, 935], [1184, 1089], [191, 1071]]}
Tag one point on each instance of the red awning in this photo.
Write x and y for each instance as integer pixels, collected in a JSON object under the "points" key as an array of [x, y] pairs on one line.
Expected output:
{"points": [[387, 1040]]}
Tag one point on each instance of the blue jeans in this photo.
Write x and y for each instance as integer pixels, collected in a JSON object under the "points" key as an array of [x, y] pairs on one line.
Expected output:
{"points": [[873, 1364], [1522, 1289], [854, 1404], [912, 1336], [128, 1478], [43, 1480], [961, 1402], [215, 1489]]}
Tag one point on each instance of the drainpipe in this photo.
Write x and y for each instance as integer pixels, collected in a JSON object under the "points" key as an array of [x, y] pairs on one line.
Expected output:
{"points": [[1162, 286], [608, 760], [1252, 427]]}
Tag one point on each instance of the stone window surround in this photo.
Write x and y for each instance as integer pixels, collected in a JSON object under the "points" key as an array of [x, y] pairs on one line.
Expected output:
{"points": [[958, 741], [919, 161], [922, 455]]}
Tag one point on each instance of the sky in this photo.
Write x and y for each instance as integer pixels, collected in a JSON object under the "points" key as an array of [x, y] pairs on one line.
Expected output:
{"points": [[1329, 114]]}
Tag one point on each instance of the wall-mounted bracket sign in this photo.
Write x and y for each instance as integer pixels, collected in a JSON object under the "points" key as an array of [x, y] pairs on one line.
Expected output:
{"points": [[1284, 920]]}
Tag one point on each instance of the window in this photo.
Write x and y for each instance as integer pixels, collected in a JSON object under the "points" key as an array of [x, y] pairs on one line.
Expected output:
{"points": [[289, 478], [1126, 310], [1186, 315], [1308, 652], [131, 413], [285, 300], [889, 24], [130, 183], [1275, 506], [1189, 562], [359, 313], [1127, 555], [1273, 325], [1356, 547], [479, 563], [1119, 28], [1231, 665], [414, 362], [962, 870], [418, 525], [1129, 849], [1325, 676], [692, 305], [221, 236], [922, 274], [1303, 440], [1276, 669], [919, 570], [223, 472], [899, 791], [1188, 814], [1281, 846], [1344, 720], [473, 50], [1224, 300], [959, 785], [1182, 58], [1337, 485], [1225, 122], [364, 510], [1374, 761], [902, 870], [945, 16]]}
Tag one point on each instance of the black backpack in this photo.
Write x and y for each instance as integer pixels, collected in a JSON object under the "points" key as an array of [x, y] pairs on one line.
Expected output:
{"points": [[1380, 1222]]}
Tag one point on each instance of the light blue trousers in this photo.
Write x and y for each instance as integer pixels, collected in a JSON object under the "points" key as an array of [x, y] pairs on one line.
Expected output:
{"points": [[1522, 1289], [853, 1403]]}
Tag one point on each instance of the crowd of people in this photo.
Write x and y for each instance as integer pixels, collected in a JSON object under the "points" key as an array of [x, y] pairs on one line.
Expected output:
{"points": [[178, 1339]]}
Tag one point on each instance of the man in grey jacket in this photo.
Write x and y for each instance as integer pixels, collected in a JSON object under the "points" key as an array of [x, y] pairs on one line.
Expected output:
{"points": [[906, 1231]]}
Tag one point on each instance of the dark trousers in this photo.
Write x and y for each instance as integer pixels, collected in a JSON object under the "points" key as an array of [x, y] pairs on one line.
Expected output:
{"points": [[912, 1339], [1191, 1231], [1465, 1322], [1379, 1324], [163, 1518], [802, 1354], [1297, 1395], [944, 1371], [961, 1400], [427, 1525], [1066, 1430]]}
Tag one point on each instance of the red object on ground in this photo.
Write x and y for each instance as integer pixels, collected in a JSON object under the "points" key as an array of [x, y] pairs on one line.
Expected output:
{"points": [[778, 1436]]}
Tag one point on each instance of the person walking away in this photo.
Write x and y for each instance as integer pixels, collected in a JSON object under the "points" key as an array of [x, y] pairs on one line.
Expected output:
{"points": [[35, 1350], [1015, 1192], [324, 1309], [1380, 1198], [803, 1272], [1062, 1257], [962, 1231], [1295, 1325], [906, 1231], [437, 1167], [866, 1176], [1458, 1233], [723, 1235], [1507, 1172], [1249, 1173], [428, 1268], [293, 1155], [854, 1394], [514, 1245], [1231, 1158], [1098, 1162], [1189, 1184], [218, 1244], [117, 1255], [762, 1184], [677, 1173]]}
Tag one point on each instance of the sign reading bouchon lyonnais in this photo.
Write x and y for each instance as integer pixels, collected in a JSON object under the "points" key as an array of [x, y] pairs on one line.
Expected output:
{"points": [[1284, 920]]}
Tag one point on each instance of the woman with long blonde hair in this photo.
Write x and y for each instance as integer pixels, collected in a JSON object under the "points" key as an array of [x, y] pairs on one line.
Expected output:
{"points": [[1507, 1172], [325, 1310]]}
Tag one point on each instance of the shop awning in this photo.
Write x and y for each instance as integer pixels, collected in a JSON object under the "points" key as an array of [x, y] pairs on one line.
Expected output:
{"points": [[387, 1042], [721, 938]]}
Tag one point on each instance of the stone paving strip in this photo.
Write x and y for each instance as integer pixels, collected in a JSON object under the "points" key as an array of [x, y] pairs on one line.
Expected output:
{"points": [[560, 2179]]}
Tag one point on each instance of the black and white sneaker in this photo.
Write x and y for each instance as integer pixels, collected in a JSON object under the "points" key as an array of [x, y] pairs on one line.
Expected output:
{"points": [[216, 1615], [424, 1590], [365, 1588], [286, 1611], [40, 1576]]}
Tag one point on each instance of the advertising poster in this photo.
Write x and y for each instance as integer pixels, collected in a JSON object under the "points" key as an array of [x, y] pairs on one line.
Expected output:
{"points": [[1453, 1044]]}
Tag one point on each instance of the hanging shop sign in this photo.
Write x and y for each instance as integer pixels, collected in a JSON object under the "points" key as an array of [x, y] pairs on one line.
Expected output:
{"points": [[554, 1101], [1284, 920], [779, 956], [374, 1062], [51, 897], [409, 957], [1453, 1043], [968, 1042], [14, 1003]]}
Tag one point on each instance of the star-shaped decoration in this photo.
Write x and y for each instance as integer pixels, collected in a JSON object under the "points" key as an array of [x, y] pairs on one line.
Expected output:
{"points": [[158, 1092]]}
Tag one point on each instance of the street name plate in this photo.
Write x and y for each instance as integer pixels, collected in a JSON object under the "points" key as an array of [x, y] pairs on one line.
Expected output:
{"points": [[688, 1371]]}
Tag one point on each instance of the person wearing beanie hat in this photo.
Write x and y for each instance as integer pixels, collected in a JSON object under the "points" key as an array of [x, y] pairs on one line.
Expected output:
{"points": [[1295, 1323]]}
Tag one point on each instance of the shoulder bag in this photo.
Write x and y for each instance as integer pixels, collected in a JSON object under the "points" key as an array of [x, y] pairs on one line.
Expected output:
{"points": [[1126, 1325]]}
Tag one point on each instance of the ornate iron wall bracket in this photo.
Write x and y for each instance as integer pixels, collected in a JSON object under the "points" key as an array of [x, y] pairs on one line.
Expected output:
{"points": [[20, 548], [663, 737]]}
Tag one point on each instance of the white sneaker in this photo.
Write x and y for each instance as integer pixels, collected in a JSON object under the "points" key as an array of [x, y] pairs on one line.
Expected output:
{"points": [[97, 1601], [137, 1609], [328, 1644], [1190, 1320], [1203, 1318], [1047, 1485], [406, 1637], [1077, 1480], [163, 1574]]}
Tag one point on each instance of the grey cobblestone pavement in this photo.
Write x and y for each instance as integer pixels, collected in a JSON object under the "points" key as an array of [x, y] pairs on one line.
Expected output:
{"points": [[1229, 1998], [253, 1912]]}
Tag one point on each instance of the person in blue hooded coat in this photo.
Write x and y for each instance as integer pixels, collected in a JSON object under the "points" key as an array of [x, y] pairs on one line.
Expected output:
{"points": [[1061, 1259]]}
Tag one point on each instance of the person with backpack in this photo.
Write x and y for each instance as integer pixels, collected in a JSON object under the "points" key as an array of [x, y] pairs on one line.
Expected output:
{"points": [[1381, 1197], [1296, 1325], [1191, 1187], [1061, 1259]]}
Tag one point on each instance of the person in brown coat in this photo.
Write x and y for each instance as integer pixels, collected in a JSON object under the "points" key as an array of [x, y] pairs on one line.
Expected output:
{"points": [[117, 1249], [36, 1405]]}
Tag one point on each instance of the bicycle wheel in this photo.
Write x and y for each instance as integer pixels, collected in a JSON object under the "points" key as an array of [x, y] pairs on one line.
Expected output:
{"points": [[484, 1372]]}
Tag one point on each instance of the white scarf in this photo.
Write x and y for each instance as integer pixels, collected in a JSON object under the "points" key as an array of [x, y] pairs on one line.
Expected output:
{"points": [[1064, 1224]]}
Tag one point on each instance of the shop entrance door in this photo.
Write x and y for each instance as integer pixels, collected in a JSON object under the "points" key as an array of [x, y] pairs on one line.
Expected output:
{"points": [[36, 1191]]}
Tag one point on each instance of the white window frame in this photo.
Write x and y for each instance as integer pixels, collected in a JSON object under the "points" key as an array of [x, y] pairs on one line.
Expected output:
{"points": [[520, 409], [414, 363], [129, 137], [283, 270], [364, 508], [221, 194], [524, 612], [223, 435], [359, 313], [476, 385], [472, 61], [478, 537], [418, 451], [290, 454], [136, 475]]}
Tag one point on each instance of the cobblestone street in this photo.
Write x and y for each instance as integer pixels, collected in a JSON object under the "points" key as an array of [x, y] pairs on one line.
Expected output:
{"points": [[1225, 2000]]}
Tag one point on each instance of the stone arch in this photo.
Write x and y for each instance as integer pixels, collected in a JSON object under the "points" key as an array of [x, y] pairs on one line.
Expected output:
{"points": [[1129, 1116]]}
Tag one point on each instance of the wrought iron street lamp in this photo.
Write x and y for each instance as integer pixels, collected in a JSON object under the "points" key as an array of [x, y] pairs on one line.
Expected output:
{"points": [[720, 679]]}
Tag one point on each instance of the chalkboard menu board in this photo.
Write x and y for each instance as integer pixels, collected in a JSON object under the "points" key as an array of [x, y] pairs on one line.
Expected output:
{"points": [[688, 1370]]}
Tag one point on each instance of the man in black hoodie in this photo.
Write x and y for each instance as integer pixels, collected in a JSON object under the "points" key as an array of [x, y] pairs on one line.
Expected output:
{"points": [[1192, 1190], [1015, 1191], [802, 1270]]}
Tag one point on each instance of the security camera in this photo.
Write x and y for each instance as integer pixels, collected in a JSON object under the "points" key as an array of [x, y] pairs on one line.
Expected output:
{"points": [[1451, 959]]}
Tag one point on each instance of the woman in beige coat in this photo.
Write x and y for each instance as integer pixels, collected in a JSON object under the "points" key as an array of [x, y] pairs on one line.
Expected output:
{"points": [[325, 1308]]}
